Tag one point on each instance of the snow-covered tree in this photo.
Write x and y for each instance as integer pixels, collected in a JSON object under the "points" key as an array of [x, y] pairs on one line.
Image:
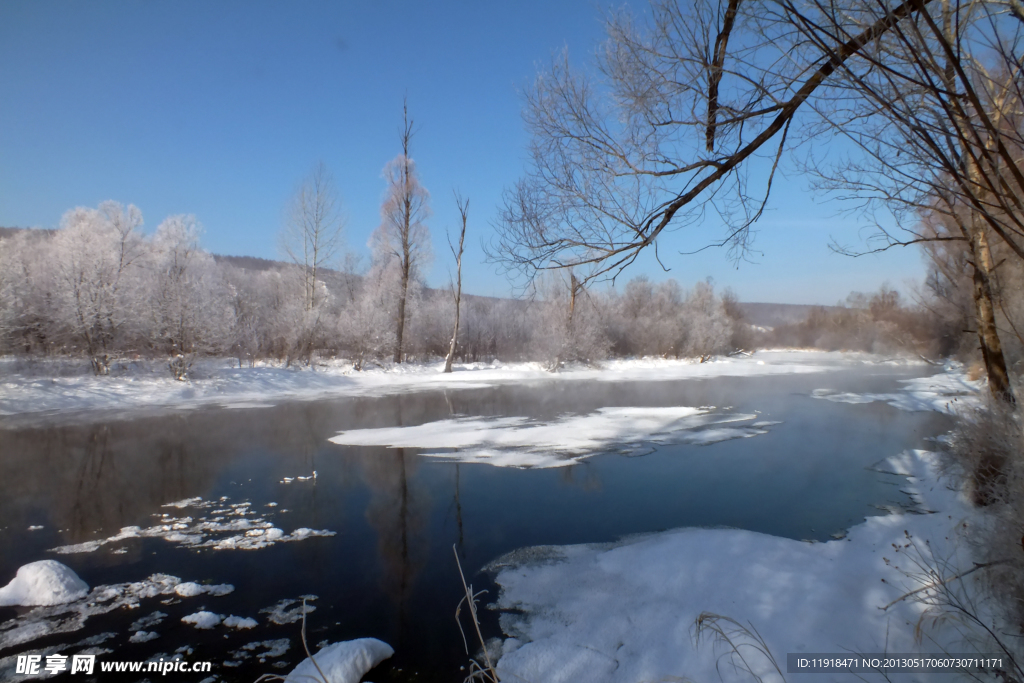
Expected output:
{"points": [[96, 257], [402, 234]]}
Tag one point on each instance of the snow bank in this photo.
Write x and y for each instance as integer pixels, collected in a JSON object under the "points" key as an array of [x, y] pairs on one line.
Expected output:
{"points": [[521, 442], [46, 582], [943, 392], [59, 398], [343, 662], [626, 612]]}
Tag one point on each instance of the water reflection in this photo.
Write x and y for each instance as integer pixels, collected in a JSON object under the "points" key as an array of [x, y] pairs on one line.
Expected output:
{"points": [[389, 571]]}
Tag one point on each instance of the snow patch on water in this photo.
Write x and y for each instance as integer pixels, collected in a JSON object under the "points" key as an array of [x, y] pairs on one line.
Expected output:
{"points": [[944, 393], [227, 526], [52, 619], [289, 611], [522, 442], [203, 620]]}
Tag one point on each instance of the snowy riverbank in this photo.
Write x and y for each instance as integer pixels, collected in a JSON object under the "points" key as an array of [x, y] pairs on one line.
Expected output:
{"points": [[59, 390], [801, 597]]}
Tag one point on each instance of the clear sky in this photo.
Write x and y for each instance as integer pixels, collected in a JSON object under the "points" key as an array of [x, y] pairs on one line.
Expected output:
{"points": [[220, 109]]}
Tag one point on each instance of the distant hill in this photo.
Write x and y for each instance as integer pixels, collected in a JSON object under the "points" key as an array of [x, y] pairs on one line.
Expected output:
{"points": [[249, 262], [774, 315]]}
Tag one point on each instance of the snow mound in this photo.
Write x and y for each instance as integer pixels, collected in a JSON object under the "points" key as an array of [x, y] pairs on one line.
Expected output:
{"points": [[46, 582], [203, 620], [344, 662]]}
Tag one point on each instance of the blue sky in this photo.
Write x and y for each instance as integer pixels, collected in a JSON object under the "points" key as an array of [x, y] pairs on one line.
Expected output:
{"points": [[221, 109]]}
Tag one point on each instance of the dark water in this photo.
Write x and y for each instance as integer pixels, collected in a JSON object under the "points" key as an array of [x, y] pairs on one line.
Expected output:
{"points": [[389, 571]]}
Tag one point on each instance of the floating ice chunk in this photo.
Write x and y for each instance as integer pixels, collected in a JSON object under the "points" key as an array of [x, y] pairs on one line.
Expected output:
{"points": [[143, 637], [239, 622], [203, 620], [289, 611], [187, 502], [147, 621], [36, 527], [46, 582], [189, 589], [564, 441], [343, 662]]}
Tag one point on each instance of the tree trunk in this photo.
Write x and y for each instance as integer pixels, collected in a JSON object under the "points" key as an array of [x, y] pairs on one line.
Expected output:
{"points": [[984, 307]]}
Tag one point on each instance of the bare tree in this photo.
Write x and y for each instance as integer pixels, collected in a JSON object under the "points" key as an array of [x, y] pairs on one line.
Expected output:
{"points": [[662, 133], [313, 235], [402, 234], [463, 205]]}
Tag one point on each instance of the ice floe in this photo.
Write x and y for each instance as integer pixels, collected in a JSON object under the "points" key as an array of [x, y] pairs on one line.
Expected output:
{"points": [[522, 442], [343, 662], [203, 620], [143, 637], [289, 611], [944, 392], [240, 622], [72, 616], [233, 526]]}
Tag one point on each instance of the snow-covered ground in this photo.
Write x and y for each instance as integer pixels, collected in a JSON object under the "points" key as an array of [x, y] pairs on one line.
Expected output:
{"points": [[800, 597], [57, 390]]}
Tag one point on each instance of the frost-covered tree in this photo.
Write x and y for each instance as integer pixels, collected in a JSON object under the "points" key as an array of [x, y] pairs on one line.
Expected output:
{"points": [[402, 234], [312, 238], [188, 302], [568, 325], [96, 259], [708, 327]]}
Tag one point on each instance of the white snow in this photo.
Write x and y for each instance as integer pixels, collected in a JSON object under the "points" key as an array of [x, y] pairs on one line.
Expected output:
{"points": [[240, 622], [521, 442], [246, 531], [203, 620], [62, 618], [143, 637], [46, 582], [944, 392], [216, 383], [289, 611], [343, 662], [626, 612]]}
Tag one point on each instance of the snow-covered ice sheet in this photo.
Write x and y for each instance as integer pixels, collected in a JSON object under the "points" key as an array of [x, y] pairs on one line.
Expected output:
{"points": [[943, 392], [521, 442], [626, 612], [36, 397]]}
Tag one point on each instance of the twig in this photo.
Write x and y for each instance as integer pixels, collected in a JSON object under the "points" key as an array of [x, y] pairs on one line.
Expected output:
{"points": [[471, 602]]}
